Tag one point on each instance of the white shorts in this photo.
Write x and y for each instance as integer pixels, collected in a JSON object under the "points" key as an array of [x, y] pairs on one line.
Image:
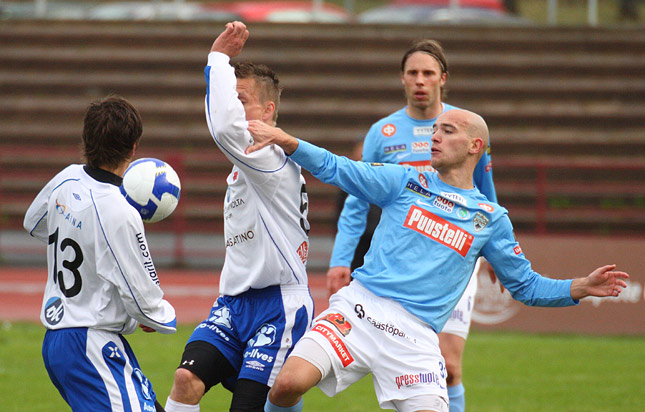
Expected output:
{"points": [[459, 321], [363, 333]]}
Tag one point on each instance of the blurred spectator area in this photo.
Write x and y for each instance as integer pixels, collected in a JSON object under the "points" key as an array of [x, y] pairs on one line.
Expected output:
{"points": [[565, 107]]}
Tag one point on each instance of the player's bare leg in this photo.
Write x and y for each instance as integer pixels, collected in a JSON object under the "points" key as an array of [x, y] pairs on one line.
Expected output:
{"points": [[187, 390], [296, 377], [452, 349]]}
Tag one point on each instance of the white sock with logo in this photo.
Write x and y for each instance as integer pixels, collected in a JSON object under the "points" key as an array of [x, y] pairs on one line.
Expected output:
{"points": [[174, 406]]}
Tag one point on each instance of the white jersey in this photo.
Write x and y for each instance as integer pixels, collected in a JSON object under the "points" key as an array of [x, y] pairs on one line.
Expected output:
{"points": [[100, 273], [265, 209]]}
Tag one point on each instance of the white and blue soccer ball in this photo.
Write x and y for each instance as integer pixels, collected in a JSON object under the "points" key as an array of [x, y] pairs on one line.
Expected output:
{"points": [[152, 187]]}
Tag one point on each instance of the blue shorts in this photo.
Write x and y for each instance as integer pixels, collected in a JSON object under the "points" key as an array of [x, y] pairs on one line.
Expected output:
{"points": [[257, 329], [96, 370]]}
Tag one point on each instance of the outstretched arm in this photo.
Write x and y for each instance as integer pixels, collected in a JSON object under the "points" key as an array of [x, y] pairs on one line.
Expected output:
{"points": [[264, 135], [602, 282]]}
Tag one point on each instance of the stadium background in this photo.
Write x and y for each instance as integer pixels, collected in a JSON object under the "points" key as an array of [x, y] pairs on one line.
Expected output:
{"points": [[564, 105]]}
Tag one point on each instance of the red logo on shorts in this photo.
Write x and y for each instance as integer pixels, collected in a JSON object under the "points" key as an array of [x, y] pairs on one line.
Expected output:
{"points": [[388, 130], [336, 343], [339, 322]]}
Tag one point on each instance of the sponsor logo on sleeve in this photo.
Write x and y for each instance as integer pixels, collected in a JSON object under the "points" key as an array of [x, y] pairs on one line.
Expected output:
{"points": [[148, 265], [480, 221], [395, 148], [420, 147], [414, 187], [423, 181], [486, 207], [518, 250], [376, 164], [439, 230], [489, 166], [336, 343], [388, 130]]}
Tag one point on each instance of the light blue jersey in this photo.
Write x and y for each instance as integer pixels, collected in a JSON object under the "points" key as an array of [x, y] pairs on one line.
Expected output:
{"points": [[429, 237], [399, 139]]}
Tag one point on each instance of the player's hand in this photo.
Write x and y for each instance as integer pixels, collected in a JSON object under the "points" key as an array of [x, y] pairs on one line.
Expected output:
{"points": [[146, 329], [337, 277], [602, 282], [231, 40], [493, 276], [264, 135]]}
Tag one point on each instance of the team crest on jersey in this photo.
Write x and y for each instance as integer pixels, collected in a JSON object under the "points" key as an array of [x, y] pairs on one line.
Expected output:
{"points": [[480, 221], [339, 323], [388, 130], [54, 311], [463, 213]]}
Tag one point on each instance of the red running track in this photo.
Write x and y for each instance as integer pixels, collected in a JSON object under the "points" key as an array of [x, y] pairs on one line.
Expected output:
{"points": [[191, 292]]}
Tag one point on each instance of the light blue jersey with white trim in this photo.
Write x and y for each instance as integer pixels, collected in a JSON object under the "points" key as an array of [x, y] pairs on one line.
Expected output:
{"points": [[429, 237], [398, 139]]}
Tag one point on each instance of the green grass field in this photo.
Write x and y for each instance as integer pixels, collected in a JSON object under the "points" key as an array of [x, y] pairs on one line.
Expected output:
{"points": [[503, 372]]}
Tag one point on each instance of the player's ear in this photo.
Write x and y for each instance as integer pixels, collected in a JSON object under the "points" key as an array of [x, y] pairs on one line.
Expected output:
{"points": [[269, 110], [476, 145]]}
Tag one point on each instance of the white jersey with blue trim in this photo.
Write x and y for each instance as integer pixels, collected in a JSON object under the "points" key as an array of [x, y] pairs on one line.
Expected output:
{"points": [[429, 237], [100, 272], [265, 209], [399, 139]]}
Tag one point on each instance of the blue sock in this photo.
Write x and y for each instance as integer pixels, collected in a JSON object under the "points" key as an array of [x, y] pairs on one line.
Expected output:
{"points": [[269, 407], [457, 398]]}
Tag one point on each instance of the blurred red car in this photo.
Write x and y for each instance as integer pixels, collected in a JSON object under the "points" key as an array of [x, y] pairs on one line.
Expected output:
{"points": [[285, 11], [480, 4]]}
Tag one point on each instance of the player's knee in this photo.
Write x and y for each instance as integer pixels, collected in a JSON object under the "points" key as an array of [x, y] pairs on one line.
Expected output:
{"points": [[187, 387], [287, 387], [454, 372]]}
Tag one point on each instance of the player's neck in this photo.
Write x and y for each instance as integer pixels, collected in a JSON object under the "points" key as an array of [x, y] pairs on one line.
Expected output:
{"points": [[425, 113], [457, 177]]}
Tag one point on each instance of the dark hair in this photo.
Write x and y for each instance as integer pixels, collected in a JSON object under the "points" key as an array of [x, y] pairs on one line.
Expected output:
{"points": [[265, 78], [434, 49], [112, 127]]}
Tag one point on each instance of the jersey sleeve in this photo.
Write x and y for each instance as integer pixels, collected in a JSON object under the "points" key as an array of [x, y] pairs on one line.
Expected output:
{"points": [[515, 272], [483, 177], [227, 123], [135, 276], [353, 218], [378, 184], [35, 221]]}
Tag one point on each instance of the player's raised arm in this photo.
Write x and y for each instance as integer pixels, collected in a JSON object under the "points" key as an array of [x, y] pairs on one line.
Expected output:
{"points": [[231, 40]]}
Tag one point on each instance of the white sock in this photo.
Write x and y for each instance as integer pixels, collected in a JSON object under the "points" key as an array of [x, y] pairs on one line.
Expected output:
{"points": [[174, 406]]}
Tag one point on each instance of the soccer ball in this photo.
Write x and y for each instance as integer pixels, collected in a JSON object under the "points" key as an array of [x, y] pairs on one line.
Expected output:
{"points": [[152, 187]]}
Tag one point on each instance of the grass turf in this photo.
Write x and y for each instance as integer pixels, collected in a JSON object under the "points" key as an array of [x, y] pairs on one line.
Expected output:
{"points": [[502, 372]]}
